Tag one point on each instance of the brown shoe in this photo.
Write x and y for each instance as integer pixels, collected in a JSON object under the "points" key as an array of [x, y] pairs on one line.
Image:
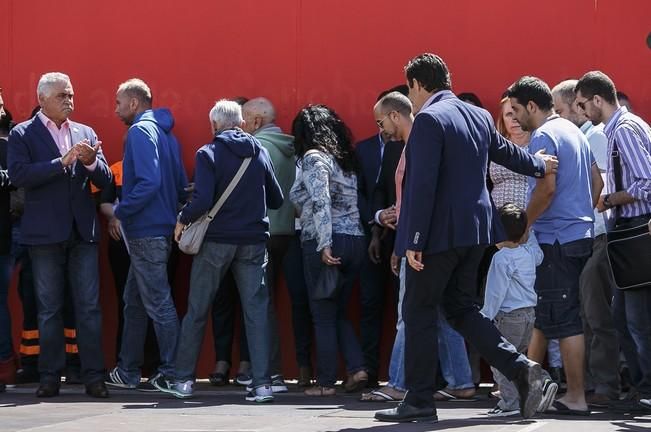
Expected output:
{"points": [[320, 391], [356, 381], [304, 376]]}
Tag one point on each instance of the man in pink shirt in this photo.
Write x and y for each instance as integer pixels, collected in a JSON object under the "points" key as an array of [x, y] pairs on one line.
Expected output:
{"points": [[55, 160]]}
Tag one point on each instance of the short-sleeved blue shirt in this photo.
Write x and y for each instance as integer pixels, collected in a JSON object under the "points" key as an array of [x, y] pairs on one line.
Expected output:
{"points": [[570, 215]]}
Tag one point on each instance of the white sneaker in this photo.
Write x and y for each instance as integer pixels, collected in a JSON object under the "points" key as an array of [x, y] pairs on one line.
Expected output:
{"points": [[183, 389], [497, 411], [278, 384], [260, 395], [548, 394]]}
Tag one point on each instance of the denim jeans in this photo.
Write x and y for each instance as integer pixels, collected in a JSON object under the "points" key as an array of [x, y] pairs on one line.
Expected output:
{"points": [[6, 346], [78, 261], [632, 316], [248, 264], [332, 328], [148, 294], [301, 316], [397, 363], [453, 356]]}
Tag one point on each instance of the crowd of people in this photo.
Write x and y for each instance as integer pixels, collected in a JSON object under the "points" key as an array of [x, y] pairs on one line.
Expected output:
{"points": [[493, 235]]}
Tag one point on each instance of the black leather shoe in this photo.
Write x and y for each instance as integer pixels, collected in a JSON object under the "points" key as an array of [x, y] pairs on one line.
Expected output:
{"points": [[97, 390], [407, 413], [47, 390], [73, 376], [528, 381]]}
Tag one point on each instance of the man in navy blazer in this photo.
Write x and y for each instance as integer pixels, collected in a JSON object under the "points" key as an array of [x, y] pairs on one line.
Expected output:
{"points": [[56, 160], [446, 221]]}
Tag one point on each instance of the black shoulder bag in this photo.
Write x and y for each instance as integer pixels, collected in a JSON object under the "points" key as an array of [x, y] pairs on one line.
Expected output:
{"points": [[629, 243]]}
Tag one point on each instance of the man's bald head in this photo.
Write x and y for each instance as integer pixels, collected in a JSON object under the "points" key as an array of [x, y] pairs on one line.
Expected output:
{"points": [[258, 112]]}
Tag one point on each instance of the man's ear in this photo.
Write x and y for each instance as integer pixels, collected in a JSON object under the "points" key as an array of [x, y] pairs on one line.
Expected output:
{"points": [[532, 107], [134, 104]]}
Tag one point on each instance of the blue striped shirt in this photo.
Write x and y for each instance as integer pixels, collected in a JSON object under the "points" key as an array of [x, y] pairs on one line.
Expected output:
{"points": [[632, 136]]}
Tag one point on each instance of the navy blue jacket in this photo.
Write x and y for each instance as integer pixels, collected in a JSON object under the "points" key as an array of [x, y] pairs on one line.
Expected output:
{"points": [[445, 203], [54, 198], [243, 217], [153, 178]]}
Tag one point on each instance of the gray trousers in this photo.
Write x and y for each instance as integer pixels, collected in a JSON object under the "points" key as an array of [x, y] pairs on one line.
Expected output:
{"points": [[516, 326], [602, 347]]}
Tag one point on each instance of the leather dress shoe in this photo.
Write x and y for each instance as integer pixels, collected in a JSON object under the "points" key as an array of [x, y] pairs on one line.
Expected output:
{"points": [[407, 413], [529, 383], [46, 390], [97, 390]]}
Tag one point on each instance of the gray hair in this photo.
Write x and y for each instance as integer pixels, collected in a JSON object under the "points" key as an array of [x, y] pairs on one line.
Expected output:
{"points": [[48, 80], [138, 89], [226, 114], [395, 101], [565, 89]]}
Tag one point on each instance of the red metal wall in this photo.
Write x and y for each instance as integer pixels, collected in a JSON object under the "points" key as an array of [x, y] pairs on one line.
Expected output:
{"points": [[297, 51]]}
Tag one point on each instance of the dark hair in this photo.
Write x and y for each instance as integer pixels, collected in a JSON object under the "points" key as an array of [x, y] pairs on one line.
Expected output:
{"points": [[514, 221], [430, 71], [470, 98], [621, 95], [319, 127], [597, 83], [402, 88], [396, 101], [240, 100], [531, 89], [35, 111], [6, 122]]}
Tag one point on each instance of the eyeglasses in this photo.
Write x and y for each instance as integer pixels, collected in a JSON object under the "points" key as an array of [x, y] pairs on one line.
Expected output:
{"points": [[380, 123], [582, 103]]}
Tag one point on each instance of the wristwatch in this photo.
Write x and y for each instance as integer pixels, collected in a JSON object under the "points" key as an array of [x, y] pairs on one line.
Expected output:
{"points": [[607, 202]]}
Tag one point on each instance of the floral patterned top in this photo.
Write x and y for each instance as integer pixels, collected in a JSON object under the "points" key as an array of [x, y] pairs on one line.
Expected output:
{"points": [[326, 199], [508, 186]]}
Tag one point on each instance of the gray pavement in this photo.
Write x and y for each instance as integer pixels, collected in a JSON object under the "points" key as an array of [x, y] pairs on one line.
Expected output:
{"points": [[226, 410]]}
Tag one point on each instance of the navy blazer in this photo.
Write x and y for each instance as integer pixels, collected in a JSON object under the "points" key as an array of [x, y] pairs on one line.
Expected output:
{"points": [[446, 203], [54, 198]]}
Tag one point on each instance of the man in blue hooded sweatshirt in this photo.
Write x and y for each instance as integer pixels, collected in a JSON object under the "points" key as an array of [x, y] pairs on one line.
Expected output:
{"points": [[235, 238], [153, 184]]}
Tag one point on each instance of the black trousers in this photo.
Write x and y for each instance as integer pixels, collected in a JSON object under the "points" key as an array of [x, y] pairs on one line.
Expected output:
{"points": [[449, 279]]}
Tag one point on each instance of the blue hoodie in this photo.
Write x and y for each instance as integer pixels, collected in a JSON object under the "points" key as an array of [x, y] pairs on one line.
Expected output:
{"points": [[243, 217], [153, 177]]}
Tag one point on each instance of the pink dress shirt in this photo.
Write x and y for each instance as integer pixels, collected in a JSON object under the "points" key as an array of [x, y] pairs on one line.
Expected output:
{"points": [[61, 136]]}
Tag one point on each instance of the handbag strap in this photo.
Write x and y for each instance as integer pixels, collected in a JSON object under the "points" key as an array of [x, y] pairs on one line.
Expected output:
{"points": [[617, 172], [229, 189]]}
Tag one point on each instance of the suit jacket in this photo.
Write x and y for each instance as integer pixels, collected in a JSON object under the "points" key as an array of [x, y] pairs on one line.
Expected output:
{"points": [[446, 203], [5, 199], [55, 199]]}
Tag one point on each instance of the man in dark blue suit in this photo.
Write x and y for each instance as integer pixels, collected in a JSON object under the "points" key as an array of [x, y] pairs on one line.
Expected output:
{"points": [[446, 221], [55, 160]]}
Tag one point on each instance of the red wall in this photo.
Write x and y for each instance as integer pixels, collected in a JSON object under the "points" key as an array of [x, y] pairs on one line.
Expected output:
{"points": [[294, 52]]}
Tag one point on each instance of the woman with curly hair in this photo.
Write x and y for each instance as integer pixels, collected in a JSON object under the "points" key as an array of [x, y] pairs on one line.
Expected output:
{"points": [[326, 197]]}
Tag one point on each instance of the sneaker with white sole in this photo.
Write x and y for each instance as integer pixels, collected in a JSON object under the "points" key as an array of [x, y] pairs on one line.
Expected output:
{"points": [[243, 379], [261, 394], [183, 389], [147, 386], [163, 384], [498, 411], [645, 403], [278, 384], [114, 379], [549, 390]]}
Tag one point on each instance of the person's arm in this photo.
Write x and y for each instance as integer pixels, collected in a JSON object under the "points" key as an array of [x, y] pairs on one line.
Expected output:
{"points": [[273, 190], [597, 183], [99, 171], [5, 183], [497, 283], [203, 196], [142, 149], [23, 172], [423, 155], [638, 161], [534, 248], [543, 194], [505, 153], [317, 175]]}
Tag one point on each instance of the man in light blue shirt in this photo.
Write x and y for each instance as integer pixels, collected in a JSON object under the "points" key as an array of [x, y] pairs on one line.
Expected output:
{"points": [[560, 210], [595, 288]]}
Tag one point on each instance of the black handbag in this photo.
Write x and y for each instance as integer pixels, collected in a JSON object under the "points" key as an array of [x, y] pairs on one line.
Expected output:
{"points": [[629, 243]]}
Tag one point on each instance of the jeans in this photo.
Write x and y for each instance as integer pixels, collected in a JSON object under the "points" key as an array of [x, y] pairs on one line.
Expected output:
{"points": [[397, 363], [277, 247], [301, 316], [331, 325], [223, 321], [147, 293], [78, 261], [632, 315], [248, 263], [453, 357], [6, 346], [516, 326]]}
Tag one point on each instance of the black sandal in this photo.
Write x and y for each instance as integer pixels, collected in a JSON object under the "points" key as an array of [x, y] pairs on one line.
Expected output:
{"points": [[218, 378]]}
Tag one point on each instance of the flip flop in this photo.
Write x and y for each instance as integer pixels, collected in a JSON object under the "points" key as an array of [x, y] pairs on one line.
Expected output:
{"points": [[444, 396], [562, 409], [378, 396]]}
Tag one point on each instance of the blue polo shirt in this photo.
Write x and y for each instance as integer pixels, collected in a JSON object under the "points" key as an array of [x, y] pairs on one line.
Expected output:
{"points": [[570, 215]]}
